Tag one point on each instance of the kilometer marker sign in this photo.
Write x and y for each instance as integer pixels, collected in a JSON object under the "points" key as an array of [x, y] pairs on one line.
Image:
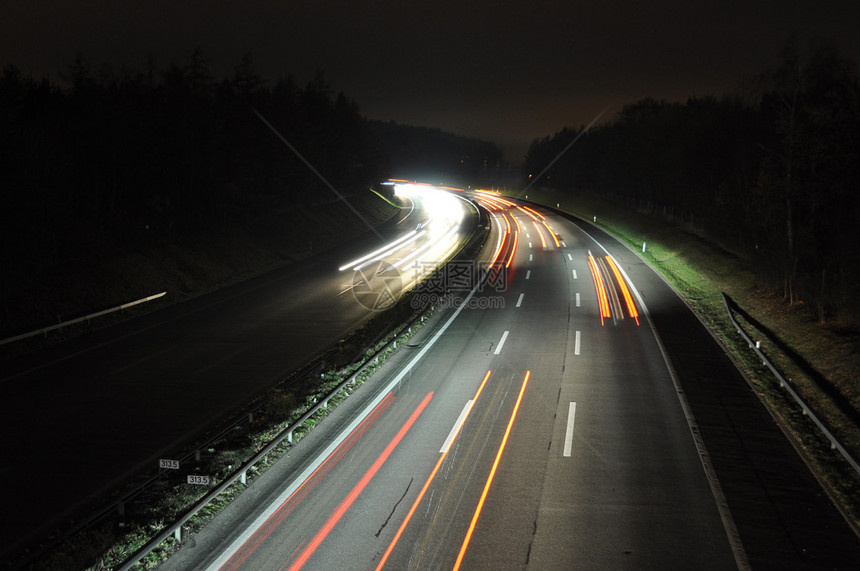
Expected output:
{"points": [[201, 480], [168, 464]]}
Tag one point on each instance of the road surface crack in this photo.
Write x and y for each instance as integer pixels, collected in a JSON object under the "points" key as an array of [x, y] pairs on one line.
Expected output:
{"points": [[397, 503]]}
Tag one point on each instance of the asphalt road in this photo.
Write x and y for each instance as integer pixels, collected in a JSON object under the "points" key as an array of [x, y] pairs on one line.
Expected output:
{"points": [[540, 427], [78, 419]]}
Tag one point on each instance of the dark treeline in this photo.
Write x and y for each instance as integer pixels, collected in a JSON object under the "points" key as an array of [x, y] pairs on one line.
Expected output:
{"points": [[772, 175], [123, 156], [432, 155], [130, 157]]}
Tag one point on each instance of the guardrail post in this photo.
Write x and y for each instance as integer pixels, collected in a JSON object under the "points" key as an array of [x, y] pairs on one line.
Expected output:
{"points": [[243, 478], [250, 417], [197, 455], [177, 534], [290, 437]]}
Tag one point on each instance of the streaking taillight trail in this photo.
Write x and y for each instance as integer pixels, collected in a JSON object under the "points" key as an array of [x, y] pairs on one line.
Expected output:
{"points": [[608, 281]]}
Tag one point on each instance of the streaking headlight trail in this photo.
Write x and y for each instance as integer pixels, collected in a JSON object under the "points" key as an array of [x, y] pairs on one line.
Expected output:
{"points": [[425, 247]]}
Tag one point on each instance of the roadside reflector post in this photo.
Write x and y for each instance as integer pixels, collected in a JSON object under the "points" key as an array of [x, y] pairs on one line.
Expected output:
{"points": [[644, 246]]}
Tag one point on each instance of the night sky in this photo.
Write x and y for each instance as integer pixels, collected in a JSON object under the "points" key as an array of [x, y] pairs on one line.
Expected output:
{"points": [[506, 72]]}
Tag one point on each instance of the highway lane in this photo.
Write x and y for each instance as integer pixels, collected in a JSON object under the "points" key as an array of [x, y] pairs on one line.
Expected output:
{"points": [[81, 417], [578, 437]]}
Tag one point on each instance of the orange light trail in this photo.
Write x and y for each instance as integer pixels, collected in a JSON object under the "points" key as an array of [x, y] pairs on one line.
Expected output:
{"points": [[513, 250], [507, 224], [602, 300], [504, 201], [481, 193], [542, 239], [491, 476], [628, 299], [551, 233], [501, 247], [356, 491], [430, 478], [517, 222], [531, 213], [614, 300], [489, 203], [536, 213]]}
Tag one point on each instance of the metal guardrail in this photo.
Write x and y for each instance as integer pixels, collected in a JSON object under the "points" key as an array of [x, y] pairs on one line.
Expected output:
{"points": [[62, 324], [783, 383]]}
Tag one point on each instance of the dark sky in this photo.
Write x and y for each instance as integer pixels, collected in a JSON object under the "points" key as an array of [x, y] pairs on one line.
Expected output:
{"points": [[507, 72]]}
